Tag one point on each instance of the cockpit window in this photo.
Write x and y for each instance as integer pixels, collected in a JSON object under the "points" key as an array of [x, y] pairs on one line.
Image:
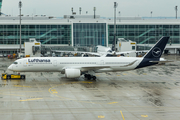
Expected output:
{"points": [[15, 62]]}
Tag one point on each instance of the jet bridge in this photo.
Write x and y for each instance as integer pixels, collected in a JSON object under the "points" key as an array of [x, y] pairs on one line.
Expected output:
{"points": [[128, 46], [32, 48]]}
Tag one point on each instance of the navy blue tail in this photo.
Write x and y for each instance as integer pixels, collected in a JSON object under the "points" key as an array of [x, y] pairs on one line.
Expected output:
{"points": [[154, 53]]}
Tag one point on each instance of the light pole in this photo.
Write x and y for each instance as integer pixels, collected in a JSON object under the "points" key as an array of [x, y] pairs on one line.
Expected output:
{"points": [[114, 44], [72, 10], [94, 12], [20, 5], [119, 16], [176, 11], [151, 14], [80, 10]]}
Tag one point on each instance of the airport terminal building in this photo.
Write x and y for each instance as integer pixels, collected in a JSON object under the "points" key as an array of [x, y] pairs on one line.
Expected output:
{"points": [[85, 30]]}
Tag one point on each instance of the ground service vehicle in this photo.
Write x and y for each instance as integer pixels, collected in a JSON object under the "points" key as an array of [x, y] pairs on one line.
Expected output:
{"points": [[6, 76]]}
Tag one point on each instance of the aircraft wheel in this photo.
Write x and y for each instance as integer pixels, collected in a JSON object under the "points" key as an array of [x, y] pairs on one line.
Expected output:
{"points": [[85, 75], [94, 77], [22, 77], [89, 77], [8, 77]]}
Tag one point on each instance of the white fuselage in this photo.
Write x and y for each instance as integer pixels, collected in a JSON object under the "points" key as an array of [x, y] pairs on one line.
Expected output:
{"points": [[74, 67], [58, 64]]}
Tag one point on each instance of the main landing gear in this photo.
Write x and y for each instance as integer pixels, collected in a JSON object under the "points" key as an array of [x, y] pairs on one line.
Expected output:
{"points": [[89, 77]]}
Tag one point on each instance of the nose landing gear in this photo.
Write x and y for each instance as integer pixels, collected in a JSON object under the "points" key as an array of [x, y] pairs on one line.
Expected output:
{"points": [[89, 77]]}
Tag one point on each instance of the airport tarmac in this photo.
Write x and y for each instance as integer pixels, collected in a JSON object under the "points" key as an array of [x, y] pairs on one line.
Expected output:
{"points": [[151, 93]]}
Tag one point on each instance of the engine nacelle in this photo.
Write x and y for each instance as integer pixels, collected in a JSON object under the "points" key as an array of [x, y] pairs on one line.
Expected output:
{"points": [[72, 73]]}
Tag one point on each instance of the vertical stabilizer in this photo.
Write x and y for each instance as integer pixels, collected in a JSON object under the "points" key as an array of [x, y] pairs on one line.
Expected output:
{"points": [[154, 53]]}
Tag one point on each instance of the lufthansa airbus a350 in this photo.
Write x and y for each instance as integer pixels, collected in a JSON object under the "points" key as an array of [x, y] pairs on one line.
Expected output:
{"points": [[74, 67]]}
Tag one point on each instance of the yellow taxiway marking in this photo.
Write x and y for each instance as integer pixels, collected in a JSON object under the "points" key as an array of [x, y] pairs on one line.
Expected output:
{"points": [[122, 115], [144, 115], [54, 91], [66, 98], [101, 116], [144, 73], [31, 99], [118, 75], [21, 86], [124, 74], [86, 82], [172, 79], [133, 73], [50, 89], [112, 102]]}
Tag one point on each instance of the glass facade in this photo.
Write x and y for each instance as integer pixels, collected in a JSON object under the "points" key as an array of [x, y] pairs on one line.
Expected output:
{"points": [[0, 5], [46, 34], [88, 34], [145, 34]]}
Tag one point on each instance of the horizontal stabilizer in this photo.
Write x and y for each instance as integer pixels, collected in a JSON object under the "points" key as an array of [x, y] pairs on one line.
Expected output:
{"points": [[164, 61]]}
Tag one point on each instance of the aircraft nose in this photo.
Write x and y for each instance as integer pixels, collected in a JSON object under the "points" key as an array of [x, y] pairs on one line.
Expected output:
{"points": [[10, 67]]}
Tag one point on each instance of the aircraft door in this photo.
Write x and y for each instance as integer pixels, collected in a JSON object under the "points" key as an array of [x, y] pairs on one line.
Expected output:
{"points": [[102, 62], [55, 63], [25, 63]]}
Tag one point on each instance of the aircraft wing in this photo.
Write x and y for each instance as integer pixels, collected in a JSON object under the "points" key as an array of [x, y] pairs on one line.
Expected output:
{"points": [[125, 52], [97, 67], [118, 53], [86, 68]]}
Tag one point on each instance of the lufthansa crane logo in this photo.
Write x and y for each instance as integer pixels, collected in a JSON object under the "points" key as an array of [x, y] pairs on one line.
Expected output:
{"points": [[156, 52]]}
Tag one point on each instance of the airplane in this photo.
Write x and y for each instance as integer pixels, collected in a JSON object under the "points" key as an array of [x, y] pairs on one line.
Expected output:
{"points": [[102, 51], [107, 51], [74, 67]]}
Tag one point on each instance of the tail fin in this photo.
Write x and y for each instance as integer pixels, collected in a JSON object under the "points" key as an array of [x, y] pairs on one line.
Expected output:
{"points": [[154, 54], [156, 51]]}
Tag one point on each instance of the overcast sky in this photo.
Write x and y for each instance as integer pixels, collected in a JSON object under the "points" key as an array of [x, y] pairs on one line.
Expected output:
{"points": [[104, 8]]}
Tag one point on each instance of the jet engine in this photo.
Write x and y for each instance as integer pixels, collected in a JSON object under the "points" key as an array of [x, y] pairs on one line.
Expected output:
{"points": [[72, 73]]}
